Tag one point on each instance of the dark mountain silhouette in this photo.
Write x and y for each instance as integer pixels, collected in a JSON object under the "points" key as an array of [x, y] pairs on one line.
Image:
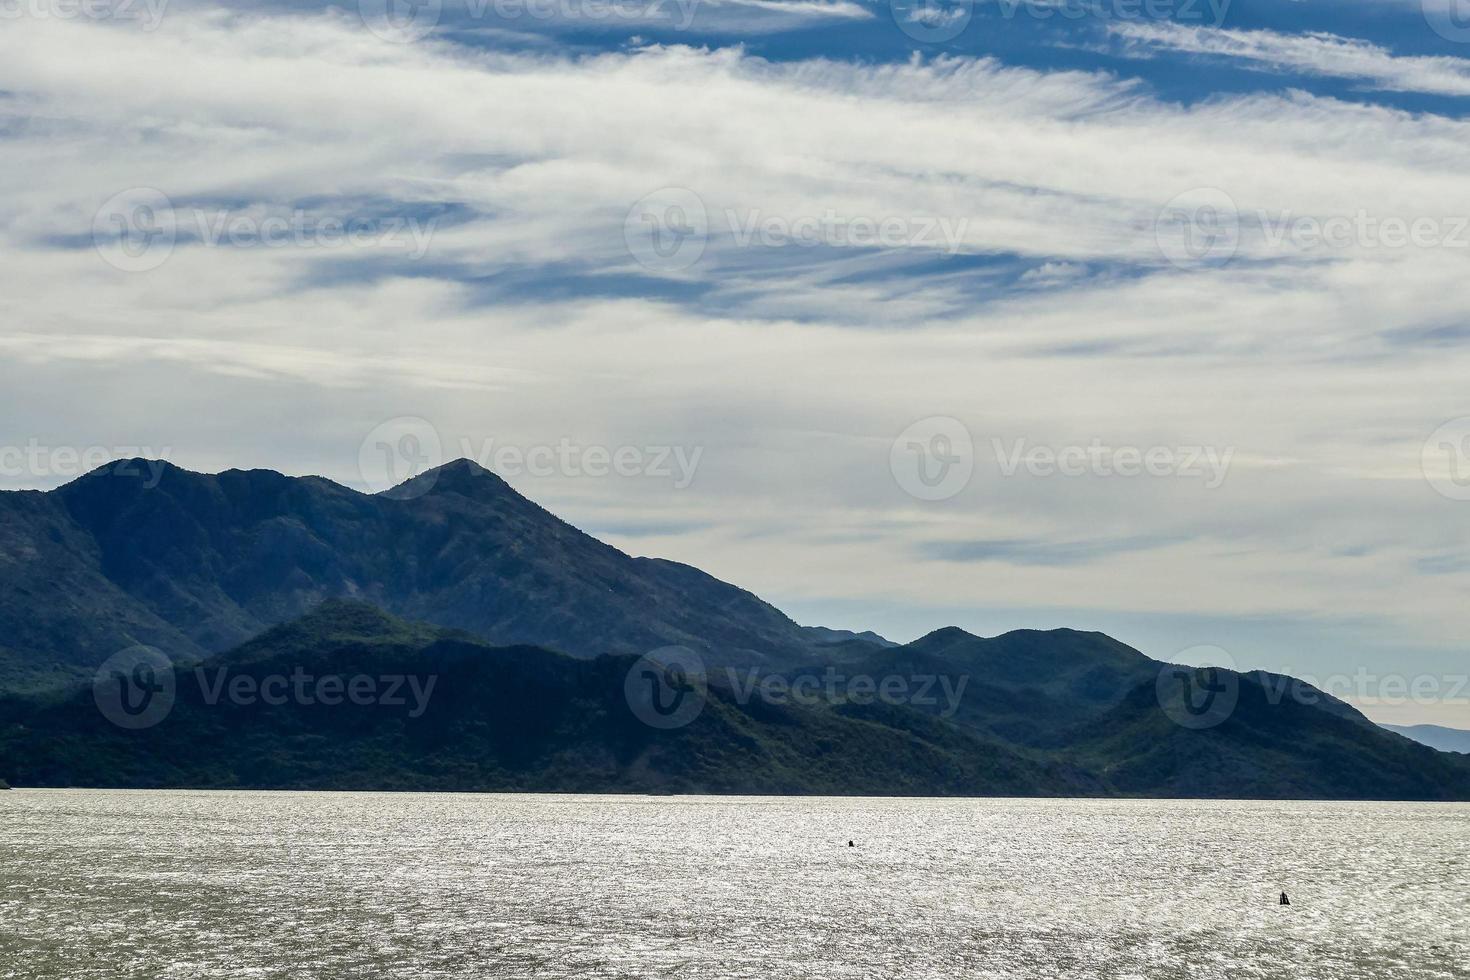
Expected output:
{"points": [[1273, 743], [478, 717], [1028, 686], [529, 628], [200, 563], [496, 718]]}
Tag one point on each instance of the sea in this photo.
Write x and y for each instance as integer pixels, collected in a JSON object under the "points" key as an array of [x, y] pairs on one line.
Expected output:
{"points": [[180, 884]]}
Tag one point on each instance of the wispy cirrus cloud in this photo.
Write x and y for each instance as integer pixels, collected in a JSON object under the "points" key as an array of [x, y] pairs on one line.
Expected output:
{"points": [[1324, 55]]}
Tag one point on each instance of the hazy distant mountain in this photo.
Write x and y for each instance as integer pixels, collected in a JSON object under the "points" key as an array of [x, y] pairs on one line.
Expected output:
{"points": [[827, 635], [1435, 736], [199, 564]]}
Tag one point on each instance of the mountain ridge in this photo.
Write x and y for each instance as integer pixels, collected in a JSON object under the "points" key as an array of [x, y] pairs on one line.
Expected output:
{"points": [[246, 569], [496, 719], [491, 718], [197, 563]]}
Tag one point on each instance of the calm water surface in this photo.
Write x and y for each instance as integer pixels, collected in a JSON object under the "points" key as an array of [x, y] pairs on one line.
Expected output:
{"points": [[321, 885]]}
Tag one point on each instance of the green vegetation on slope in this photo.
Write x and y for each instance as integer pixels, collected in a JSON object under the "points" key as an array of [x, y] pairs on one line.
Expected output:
{"points": [[450, 712], [516, 718], [1271, 746]]}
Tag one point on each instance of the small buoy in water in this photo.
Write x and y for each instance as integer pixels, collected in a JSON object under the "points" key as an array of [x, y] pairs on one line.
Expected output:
{"points": [[1284, 899], [850, 844]]}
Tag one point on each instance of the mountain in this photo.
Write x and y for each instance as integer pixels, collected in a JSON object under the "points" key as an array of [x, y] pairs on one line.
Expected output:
{"points": [[1269, 744], [1030, 687], [197, 564], [492, 718], [443, 710], [827, 636], [1435, 736], [529, 628]]}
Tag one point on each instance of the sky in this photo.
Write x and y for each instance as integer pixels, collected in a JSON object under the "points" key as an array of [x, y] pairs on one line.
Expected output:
{"points": [[1143, 316]]}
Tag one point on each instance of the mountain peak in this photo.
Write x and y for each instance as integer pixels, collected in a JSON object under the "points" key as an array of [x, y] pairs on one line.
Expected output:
{"points": [[463, 476], [944, 635], [463, 466], [141, 467], [331, 623]]}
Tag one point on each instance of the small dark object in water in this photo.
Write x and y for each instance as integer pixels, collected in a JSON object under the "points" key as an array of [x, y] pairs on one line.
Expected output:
{"points": [[849, 844], [1284, 899]]}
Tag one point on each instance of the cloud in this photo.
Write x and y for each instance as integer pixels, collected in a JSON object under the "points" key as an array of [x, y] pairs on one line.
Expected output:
{"points": [[530, 319], [1038, 551], [1320, 54], [1054, 273]]}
